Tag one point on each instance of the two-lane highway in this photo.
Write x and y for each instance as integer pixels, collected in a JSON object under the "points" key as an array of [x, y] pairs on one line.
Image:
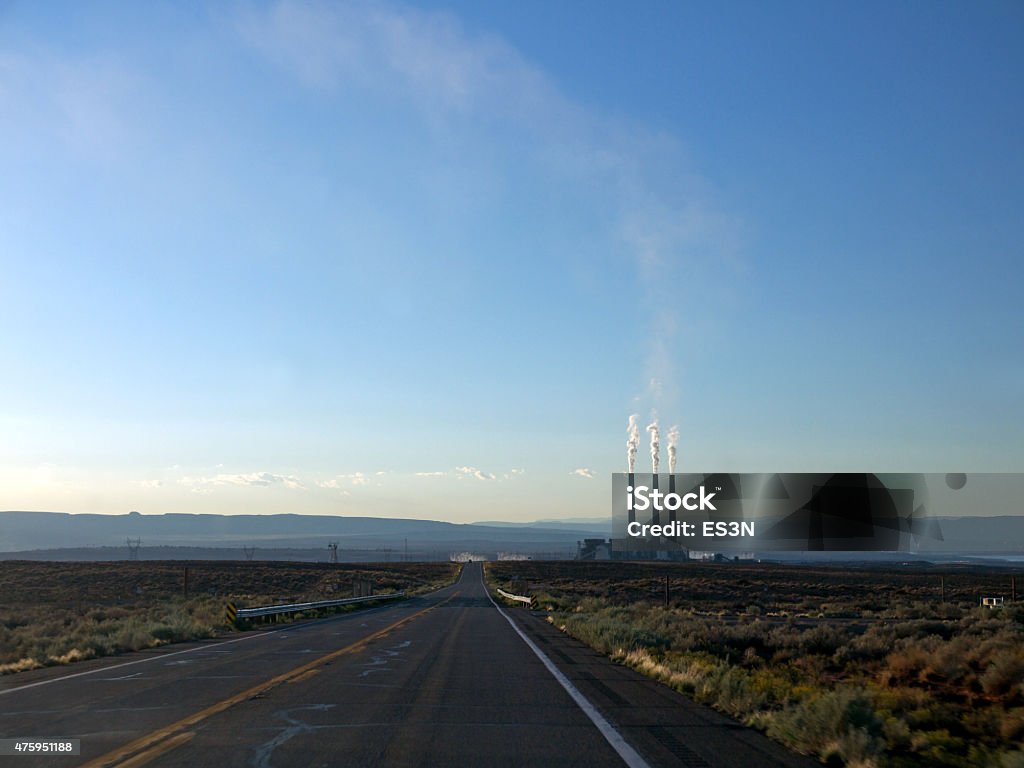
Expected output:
{"points": [[445, 679]]}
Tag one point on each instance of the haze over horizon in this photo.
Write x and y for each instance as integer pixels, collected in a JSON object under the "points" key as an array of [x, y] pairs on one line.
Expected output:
{"points": [[424, 261]]}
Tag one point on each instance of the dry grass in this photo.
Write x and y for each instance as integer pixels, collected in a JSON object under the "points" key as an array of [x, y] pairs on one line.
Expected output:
{"points": [[59, 613], [860, 667]]}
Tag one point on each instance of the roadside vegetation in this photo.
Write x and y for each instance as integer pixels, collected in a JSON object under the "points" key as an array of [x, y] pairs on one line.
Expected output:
{"points": [[57, 613], [855, 666]]}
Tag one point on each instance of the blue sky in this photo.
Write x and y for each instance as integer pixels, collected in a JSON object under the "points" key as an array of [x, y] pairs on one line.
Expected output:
{"points": [[425, 260]]}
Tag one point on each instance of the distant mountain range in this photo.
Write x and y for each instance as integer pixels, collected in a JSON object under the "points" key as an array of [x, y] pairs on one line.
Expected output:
{"points": [[981, 534], [59, 535], [26, 531], [598, 525]]}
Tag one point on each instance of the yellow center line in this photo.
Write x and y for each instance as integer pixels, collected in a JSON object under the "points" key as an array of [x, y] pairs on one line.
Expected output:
{"points": [[162, 748], [304, 676], [136, 750]]}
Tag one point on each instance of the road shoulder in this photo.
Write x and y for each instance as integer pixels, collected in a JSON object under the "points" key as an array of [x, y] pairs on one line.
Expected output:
{"points": [[663, 725]]}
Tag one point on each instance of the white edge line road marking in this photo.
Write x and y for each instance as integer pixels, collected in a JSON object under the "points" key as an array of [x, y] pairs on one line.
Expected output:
{"points": [[629, 755], [128, 663], [177, 653]]}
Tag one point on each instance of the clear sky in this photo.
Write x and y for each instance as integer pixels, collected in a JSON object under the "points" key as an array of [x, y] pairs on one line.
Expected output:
{"points": [[425, 260]]}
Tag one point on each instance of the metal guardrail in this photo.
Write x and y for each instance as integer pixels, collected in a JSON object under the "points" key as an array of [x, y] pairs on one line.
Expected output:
{"points": [[273, 610], [532, 602]]}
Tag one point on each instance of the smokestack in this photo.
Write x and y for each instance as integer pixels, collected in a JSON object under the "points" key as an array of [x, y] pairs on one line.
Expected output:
{"points": [[673, 438], [655, 514], [632, 444], [672, 489], [652, 428], [631, 481]]}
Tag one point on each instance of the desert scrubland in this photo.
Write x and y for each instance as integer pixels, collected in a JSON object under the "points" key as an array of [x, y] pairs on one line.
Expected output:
{"points": [[856, 666], [60, 612]]}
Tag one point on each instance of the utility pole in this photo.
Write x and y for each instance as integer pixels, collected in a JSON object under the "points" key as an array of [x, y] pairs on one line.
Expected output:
{"points": [[405, 557], [186, 582], [666, 590], [942, 588], [1013, 589]]}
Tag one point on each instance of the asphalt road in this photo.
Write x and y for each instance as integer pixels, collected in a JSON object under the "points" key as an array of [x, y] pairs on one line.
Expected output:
{"points": [[441, 680]]}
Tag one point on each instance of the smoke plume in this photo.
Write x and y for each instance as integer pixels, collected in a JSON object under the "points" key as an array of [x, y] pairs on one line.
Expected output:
{"points": [[673, 438], [633, 442], [655, 445]]}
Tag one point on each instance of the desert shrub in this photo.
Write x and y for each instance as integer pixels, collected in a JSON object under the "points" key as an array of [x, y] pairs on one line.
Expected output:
{"points": [[837, 724], [133, 635], [173, 631], [751, 658], [1011, 725], [864, 648], [900, 699], [56, 613], [939, 682], [932, 716], [822, 639], [733, 691], [939, 748], [913, 610], [552, 603], [897, 733], [610, 634], [102, 632], [684, 672], [912, 657], [1004, 674]]}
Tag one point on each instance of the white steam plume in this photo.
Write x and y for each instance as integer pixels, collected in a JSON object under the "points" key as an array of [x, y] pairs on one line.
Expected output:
{"points": [[633, 442], [655, 445], [673, 438]]}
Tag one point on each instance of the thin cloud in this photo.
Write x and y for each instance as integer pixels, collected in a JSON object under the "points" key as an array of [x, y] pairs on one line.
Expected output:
{"points": [[86, 105], [249, 479], [426, 56], [583, 472], [474, 473], [477, 474], [356, 478], [341, 481]]}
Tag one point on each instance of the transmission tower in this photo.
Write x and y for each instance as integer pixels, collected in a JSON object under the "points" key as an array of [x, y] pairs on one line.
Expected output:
{"points": [[249, 552], [133, 548], [333, 546]]}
